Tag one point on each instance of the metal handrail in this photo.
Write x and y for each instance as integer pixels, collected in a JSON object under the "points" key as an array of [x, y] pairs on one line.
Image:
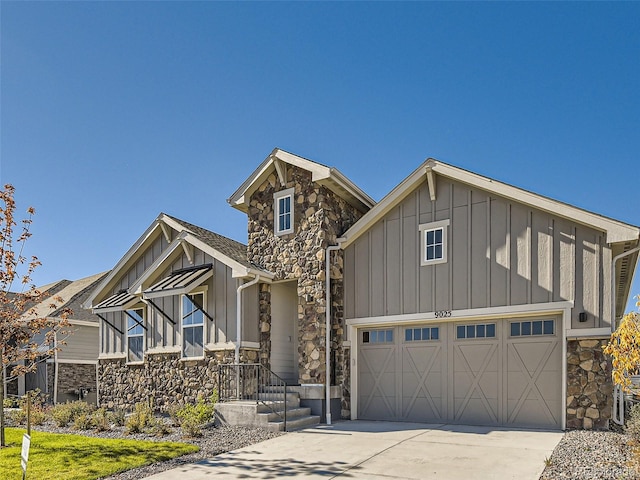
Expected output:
{"points": [[254, 382]]}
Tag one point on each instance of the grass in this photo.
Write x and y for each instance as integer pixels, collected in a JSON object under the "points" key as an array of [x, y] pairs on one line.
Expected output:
{"points": [[61, 456]]}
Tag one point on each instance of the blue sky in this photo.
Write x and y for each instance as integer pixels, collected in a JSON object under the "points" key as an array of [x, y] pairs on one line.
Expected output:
{"points": [[112, 112]]}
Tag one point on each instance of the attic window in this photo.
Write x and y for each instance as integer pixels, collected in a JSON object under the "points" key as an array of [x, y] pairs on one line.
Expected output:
{"points": [[433, 242], [283, 212]]}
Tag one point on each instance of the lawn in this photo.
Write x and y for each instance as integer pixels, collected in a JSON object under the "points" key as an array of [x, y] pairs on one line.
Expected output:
{"points": [[60, 456]]}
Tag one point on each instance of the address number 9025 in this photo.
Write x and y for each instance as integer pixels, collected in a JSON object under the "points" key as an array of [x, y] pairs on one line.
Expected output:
{"points": [[443, 313]]}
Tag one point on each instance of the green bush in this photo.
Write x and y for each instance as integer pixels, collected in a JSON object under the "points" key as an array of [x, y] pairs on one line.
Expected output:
{"points": [[63, 414], [632, 427], [194, 417], [100, 420], [82, 422], [117, 417], [141, 418], [10, 403], [38, 414]]}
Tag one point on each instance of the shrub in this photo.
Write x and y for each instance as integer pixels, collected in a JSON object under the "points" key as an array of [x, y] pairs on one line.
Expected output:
{"points": [[632, 427], [63, 414], [82, 422], [141, 418], [117, 417], [194, 417], [10, 403], [38, 414], [100, 420], [159, 428]]}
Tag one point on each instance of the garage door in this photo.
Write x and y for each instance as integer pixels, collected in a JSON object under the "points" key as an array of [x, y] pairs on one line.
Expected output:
{"points": [[505, 372]]}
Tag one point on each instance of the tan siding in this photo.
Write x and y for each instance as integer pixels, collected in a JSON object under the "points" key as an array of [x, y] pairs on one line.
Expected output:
{"points": [[377, 270], [250, 332], [82, 344], [500, 253]]}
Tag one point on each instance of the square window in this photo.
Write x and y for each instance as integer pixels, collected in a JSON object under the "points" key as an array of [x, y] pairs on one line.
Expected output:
{"points": [[389, 335], [365, 337], [491, 330], [460, 331], [526, 328], [426, 333], [417, 334], [537, 327], [435, 333], [408, 334], [548, 327], [515, 329]]}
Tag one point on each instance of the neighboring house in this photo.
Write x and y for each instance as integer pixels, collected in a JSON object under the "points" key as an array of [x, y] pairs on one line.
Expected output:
{"points": [[454, 299], [71, 373]]}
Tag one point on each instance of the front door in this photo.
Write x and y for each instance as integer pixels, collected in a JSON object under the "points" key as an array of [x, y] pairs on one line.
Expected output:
{"points": [[284, 331]]}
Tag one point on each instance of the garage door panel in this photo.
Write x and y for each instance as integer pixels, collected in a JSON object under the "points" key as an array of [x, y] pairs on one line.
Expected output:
{"points": [[502, 372]]}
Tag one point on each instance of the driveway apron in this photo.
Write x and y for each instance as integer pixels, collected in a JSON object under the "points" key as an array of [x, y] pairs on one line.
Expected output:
{"points": [[384, 450]]}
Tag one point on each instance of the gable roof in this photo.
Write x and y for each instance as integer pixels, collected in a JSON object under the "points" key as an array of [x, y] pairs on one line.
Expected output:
{"points": [[328, 177], [228, 251], [616, 231], [72, 294]]}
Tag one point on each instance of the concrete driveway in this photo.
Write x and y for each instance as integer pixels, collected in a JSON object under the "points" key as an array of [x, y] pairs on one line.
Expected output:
{"points": [[364, 450]]}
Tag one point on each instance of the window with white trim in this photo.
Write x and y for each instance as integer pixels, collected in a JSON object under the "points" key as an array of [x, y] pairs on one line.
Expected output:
{"points": [[283, 212], [433, 242], [377, 336], [192, 325], [478, 330], [417, 334], [530, 328], [135, 335]]}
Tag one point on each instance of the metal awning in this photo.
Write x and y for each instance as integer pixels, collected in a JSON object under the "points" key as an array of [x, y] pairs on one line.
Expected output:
{"points": [[116, 303], [180, 282]]}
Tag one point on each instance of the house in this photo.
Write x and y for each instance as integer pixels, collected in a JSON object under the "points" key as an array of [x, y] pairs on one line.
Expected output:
{"points": [[71, 373], [456, 298]]}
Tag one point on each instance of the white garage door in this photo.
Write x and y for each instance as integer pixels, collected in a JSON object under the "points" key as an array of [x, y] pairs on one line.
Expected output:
{"points": [[504, 372]]}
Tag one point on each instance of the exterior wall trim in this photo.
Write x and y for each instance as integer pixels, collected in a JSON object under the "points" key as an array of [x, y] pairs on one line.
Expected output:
{"points": [[561, 308], [578, 333]]}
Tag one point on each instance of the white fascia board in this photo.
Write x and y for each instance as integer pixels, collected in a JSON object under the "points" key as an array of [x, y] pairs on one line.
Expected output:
{"points": [[526, 310], [131, 253], [137, 287], [352, 188], [239, 199], [385, 205], [615, 230]]}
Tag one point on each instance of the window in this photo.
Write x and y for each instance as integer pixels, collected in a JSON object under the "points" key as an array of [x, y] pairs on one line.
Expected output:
{"points": [[416, 334], [192, 325], [478, 330], [536, 327], [433, 242], [135, 335], [283, 212], [377, 336]]}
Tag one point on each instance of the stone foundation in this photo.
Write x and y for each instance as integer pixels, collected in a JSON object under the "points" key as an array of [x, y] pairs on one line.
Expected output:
{"points": [[164, 379], [589, 385]]}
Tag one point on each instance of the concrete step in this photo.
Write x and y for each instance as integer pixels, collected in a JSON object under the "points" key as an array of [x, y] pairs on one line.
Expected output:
{"points": [[278, 415], [270, 405], [294, 424]]}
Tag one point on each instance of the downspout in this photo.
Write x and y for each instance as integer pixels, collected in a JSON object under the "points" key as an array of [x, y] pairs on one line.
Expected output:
{"points": [[617, 414], [327, 347], [239, 314], [55, 369]]}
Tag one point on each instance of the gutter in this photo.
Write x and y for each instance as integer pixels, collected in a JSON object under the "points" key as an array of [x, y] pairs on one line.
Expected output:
{"points": [[327, 348], [617, 414], [239, 314]]}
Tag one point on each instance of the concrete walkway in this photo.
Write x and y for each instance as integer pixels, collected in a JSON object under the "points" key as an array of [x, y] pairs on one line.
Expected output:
{"points": [[384, 450]]}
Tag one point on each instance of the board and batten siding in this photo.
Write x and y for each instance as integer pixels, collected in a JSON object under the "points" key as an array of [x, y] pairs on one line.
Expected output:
{"points": [[500, 253], [220, 299]]}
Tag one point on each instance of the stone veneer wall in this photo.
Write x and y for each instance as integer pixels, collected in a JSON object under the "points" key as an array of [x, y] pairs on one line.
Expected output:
{"points": [[320, 217], [589, 385], [74, 376], [164, 378]]}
